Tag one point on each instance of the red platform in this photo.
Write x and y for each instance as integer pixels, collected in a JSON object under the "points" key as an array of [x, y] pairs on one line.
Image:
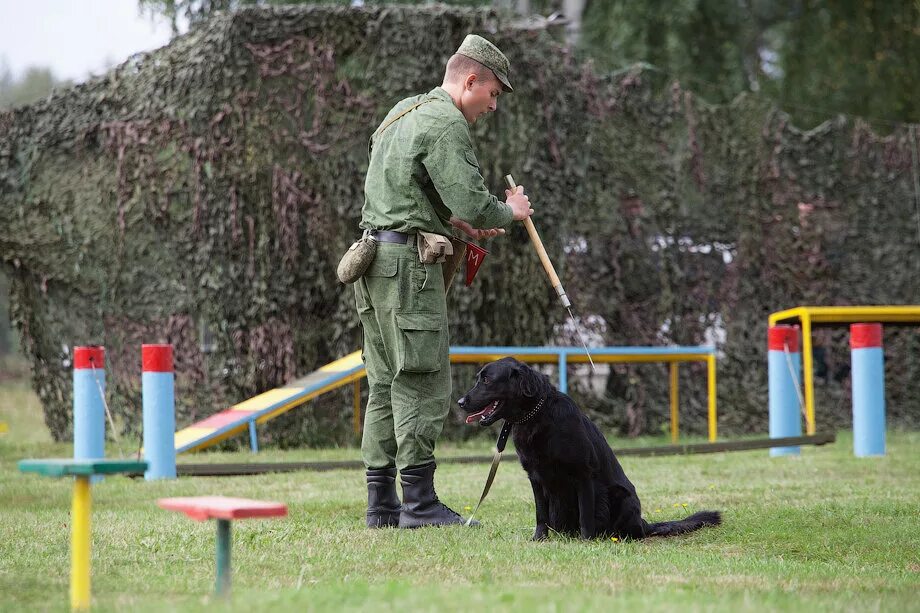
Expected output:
{"points": [[222, 507]]}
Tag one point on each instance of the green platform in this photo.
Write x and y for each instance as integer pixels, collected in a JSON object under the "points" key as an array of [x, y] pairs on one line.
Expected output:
{"points": [[69, 467]]}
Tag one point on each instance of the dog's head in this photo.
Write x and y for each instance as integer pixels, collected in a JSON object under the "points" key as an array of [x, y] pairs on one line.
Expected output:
{"points": [[505, 389]]}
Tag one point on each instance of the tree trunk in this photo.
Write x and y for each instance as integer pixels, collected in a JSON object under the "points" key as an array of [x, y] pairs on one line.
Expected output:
{"points": [[573, 10]]}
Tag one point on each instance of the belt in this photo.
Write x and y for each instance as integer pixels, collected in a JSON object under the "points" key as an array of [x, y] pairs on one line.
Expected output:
{"points": [[388, 236]]}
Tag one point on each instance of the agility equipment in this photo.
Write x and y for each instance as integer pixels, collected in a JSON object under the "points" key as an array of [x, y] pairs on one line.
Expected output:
{"points": [[350, 370], [784, 366], [81, 509], [158, 390], [223, 509], [868, 389], [809, 316], [89, 402]]}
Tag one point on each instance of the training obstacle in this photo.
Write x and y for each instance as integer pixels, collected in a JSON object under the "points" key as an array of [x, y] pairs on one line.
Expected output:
{"points": [[81, 509], [224, 510], [784, 372], [809, 317], [350, 370], [88, 402], [159, 408], [868, 371]]}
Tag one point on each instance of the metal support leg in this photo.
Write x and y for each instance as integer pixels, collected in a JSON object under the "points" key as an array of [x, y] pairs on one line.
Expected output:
{"points": [[223, 557], [80, 544], [711, 385], [674, 414], [808, 376], [253, 437], [563, 373]]}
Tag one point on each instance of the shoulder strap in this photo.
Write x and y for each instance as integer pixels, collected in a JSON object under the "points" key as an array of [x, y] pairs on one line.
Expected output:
{"points": [[400, 116]]}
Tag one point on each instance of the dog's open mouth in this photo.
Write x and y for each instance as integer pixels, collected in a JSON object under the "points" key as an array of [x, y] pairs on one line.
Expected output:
{"points": [[484, 414]]}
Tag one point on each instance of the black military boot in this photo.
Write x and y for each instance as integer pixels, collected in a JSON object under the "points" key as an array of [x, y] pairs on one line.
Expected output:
{"points": [[421, 506], [382, 501]]}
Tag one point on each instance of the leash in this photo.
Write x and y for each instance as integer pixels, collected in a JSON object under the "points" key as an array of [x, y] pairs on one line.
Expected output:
{"points": [[499, 448], [496, 458]]}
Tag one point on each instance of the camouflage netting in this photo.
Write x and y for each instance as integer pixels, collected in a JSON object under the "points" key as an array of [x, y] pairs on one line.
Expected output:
{"points": [[201, 195]]}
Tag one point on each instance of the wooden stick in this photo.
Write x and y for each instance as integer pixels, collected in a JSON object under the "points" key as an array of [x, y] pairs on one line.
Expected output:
{"points": [[541, 252]]}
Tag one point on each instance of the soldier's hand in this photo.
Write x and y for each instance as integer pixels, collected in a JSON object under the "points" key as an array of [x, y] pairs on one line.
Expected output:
{"points": [[519, 203], [475, 233]]}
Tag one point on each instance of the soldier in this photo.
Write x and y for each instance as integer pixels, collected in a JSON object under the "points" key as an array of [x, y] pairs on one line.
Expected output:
{"points": [[423, 178]]}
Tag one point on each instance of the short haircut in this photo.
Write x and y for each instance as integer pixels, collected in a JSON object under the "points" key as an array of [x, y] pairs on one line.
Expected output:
{"points": [[460, 66]]}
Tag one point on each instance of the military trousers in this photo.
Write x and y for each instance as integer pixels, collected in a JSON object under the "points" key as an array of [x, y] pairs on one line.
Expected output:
{"points": [[403, 310]]}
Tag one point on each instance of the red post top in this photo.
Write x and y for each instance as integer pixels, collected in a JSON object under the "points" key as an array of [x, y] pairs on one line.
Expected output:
{"points": [[863, 336], [156, 358], [92, 356], [780, 336]]}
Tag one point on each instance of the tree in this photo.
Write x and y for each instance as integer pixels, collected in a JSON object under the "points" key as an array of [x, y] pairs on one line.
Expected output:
{"points": [[35, 83]]}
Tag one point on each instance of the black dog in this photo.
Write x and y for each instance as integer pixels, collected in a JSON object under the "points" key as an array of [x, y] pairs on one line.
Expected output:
{"points": [[579, 487]]}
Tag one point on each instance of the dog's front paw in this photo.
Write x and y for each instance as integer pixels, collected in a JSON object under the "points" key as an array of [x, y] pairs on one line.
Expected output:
{"points": [[540, 533]]}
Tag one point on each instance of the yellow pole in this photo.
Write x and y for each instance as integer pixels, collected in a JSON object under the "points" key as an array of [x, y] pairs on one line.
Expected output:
{"points": [[80, 544], [711, 380], [809, 382], [674, 416], [356, 408]]}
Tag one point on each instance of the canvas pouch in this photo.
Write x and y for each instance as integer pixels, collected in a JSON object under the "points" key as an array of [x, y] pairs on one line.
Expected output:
{"points": [[357, 259], [433, 248]]}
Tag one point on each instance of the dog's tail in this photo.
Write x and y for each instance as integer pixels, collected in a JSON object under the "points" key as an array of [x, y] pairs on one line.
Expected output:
{"points": [[682, 526]]}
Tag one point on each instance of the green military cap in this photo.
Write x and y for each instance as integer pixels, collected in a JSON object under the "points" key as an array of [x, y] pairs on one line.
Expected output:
{"points": [[479, 49]]}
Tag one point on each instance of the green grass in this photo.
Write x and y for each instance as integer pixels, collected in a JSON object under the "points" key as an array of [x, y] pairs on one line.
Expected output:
{"points": [[824, 531], [20, 410]]}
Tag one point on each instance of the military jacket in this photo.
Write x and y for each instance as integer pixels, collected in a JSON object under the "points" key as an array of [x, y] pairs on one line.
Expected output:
{"points": [[423, 170]]}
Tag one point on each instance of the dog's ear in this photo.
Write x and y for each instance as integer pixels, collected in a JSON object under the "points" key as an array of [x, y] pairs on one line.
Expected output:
{"points": [[528, 383]]}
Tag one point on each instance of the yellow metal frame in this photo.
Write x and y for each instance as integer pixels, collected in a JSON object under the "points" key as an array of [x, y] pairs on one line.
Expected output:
{"points": [[807, 316], [351, 361], [553, 358]]}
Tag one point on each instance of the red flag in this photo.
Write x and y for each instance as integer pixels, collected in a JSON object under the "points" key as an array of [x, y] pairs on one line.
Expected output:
{"points": [[474, 257]]}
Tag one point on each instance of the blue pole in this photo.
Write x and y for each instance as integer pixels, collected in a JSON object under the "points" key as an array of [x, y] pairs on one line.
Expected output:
{"points": [[563, 373], [785, 413], [253, 437], [868, 368], [159, 403], [88, 407]]}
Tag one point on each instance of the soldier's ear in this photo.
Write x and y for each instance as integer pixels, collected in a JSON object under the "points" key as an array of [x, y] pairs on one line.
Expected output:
{"points": [[470, 80]]}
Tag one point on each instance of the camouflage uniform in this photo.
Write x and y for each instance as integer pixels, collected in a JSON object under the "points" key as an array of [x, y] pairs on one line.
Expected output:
{"points": [[422, 171]]}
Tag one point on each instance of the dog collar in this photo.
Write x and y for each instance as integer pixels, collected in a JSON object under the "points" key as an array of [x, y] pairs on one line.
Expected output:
{"points": [[533, 411]]}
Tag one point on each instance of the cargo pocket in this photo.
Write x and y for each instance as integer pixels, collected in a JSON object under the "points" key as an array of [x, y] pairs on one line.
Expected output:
{"points": [[421, 341], [383, 288]]}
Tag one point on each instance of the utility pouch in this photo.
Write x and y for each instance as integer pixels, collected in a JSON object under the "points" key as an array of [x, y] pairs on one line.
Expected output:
{"points": [[357, 259], [433, 248]]}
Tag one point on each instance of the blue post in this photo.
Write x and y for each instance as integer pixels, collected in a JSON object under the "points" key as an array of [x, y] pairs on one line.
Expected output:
{"points": [[868, 368], [158, 391], [785, 412], [563, 373], [253, 437], [88, 407]]}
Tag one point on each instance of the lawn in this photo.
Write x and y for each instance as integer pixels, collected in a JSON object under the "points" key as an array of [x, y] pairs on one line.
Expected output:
{"points": [[824, 531]]}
